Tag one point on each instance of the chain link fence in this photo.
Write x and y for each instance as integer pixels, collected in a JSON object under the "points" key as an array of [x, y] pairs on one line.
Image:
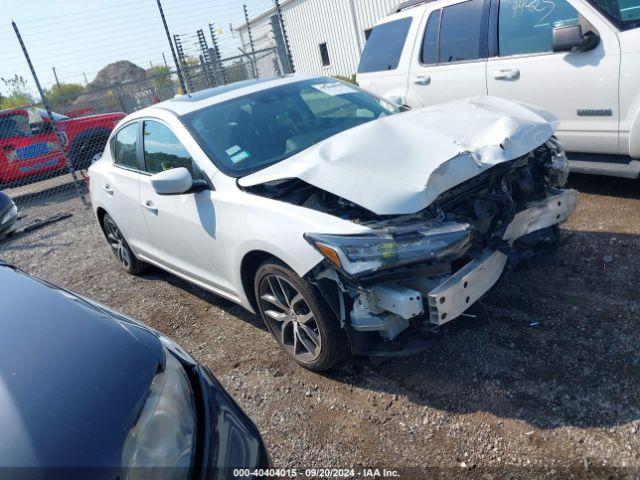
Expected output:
{"points": [[48, 142]]}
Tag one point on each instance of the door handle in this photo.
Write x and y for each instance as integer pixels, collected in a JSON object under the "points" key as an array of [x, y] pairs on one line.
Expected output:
{"points": [[423, 80], [8, 148], [108, 189], [507, 74], [150, 207]]}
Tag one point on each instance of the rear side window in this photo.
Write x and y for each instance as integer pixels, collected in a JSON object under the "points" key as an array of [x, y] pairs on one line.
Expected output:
{"points": [[429, 53], [125, 145], [528, 28], [162, 149], [460, 32], [384, 47]]}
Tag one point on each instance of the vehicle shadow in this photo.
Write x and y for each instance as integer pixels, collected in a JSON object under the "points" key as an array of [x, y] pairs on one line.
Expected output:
{"points": [[609, 186], [211, 298], [560, 348]]}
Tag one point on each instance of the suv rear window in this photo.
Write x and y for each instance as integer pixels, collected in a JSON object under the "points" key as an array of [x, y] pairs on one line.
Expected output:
{"points": [[384, 46], [460, 32]]}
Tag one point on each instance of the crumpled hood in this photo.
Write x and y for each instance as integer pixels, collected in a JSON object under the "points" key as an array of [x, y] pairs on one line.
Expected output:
{"points": [[400, 164]]}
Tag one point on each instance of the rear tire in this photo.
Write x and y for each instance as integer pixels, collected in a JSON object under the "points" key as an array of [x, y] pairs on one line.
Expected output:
{"points": [[299, 318], [123, 253]]}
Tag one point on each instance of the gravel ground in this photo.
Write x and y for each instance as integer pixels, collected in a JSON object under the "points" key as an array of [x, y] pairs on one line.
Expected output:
{"points": [[548, 387]]}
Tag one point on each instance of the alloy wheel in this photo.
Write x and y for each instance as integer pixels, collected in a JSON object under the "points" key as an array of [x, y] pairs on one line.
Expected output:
{"points": [[290, 318], [117, 243]]}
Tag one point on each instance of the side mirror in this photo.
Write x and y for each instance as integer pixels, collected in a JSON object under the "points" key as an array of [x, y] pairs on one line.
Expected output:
{"points": [[570, 38], [177, 181]]}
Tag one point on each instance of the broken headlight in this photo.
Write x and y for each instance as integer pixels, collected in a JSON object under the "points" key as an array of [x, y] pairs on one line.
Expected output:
{"points": [[368, 253]]}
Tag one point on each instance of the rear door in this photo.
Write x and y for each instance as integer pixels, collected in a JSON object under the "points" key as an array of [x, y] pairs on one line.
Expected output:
{"points": [[580, 88], [120, 186], [450, 60]]}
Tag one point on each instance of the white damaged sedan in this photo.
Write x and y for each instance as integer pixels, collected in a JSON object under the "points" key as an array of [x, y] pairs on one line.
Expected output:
{"points": [[349, 225]]}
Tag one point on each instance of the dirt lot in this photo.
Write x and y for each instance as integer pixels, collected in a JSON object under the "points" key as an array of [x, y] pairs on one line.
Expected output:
{"points": [[549, 386]]}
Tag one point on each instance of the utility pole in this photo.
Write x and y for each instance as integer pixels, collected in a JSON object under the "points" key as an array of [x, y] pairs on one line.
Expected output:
{"points": [[59, 135], [173, 52], [164, 59], [254, 66], [55, 75], [86, 82]]}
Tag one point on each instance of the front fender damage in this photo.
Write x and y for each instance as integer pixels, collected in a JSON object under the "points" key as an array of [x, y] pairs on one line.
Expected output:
{"points": [[398, 310]]}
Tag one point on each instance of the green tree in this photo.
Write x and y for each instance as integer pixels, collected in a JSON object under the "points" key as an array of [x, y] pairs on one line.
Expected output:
{"points": [[17, 92], [63, 94], [160, 77]]}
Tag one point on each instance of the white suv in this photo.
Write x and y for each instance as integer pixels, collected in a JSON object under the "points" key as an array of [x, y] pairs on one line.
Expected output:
{"points": [[350, 226], [579, 59]]}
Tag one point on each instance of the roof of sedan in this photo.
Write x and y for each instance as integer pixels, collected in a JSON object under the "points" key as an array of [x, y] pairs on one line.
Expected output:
{"points": [[183, 104]]}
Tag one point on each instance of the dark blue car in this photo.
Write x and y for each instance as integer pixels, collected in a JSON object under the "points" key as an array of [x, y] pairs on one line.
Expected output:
{"points": [[86, 392]]}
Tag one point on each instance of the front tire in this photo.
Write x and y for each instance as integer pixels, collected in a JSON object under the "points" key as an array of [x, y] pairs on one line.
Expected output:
{"points": [[299, 318], [123, 253]]}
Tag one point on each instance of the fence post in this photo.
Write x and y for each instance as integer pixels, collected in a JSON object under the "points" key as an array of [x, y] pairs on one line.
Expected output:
{"points": [[182, 62], [215, 55], [205, 59], [183, 87], [45, 103], [254, 65], [285, 66], [285, 38]]}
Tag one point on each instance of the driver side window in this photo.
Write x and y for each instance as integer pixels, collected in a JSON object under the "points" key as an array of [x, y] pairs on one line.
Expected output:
{"points": [[526, 26], [162, 149]]}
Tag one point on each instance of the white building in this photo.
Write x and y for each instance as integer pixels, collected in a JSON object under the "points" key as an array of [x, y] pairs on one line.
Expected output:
{"points": [[325, 36]]}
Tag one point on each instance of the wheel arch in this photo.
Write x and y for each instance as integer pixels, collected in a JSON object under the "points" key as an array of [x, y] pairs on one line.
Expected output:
{"points": [[248, 269], [100, 213]]}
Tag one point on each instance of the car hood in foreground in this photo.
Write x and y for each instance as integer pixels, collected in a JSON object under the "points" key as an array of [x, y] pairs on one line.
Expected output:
{"points": [[72, 379], [400, 164]]}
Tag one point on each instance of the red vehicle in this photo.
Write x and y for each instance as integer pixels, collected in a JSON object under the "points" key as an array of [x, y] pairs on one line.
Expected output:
{"points": [[30, 151]]}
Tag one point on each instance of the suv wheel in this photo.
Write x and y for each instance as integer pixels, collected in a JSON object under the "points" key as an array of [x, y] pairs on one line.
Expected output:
{"points": [[299, 319], [120, 247]]}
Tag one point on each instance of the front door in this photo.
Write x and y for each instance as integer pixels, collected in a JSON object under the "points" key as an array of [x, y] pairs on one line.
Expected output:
{"points": [[579, 88], [451, 61], [183, 235]]}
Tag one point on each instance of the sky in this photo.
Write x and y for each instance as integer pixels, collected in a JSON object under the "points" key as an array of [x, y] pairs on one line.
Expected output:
{"points": [[78, 37]]}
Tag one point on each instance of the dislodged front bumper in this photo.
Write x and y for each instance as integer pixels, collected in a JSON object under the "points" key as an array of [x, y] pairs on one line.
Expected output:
{"points": [[388, 308], [453, 296]]}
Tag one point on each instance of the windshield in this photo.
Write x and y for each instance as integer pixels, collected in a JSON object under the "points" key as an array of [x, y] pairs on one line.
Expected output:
{"points": [[249, 133], [38, 114], [624, 13]]}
